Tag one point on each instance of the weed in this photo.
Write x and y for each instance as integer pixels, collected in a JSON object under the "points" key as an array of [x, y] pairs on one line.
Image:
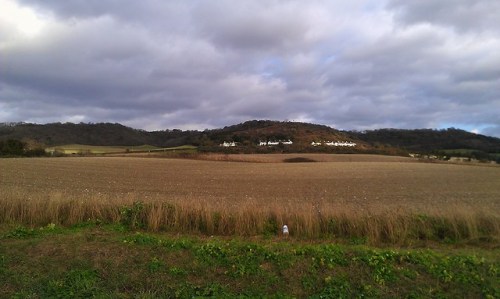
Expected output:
{"points": [[21, 232], [75, 284], [271, 226], [176, 271], [155, 265], [357, 240], [381, 264], [132, 216], [141, 239], [336, 287], [328, 256], [213, 253]]}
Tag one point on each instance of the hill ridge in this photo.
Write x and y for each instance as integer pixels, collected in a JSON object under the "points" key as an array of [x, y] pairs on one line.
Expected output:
{"points": [[249, 134]]}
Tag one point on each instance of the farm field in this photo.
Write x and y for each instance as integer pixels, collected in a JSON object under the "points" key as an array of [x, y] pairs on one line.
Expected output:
{"points": [[279, 158], [79, 149], [249, 198], [372, 184], [128, 227]]}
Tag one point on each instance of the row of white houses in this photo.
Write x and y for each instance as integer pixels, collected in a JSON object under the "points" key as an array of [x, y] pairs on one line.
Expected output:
{"points": [[261, 143], [289, 142], [272, 143], [334, 143]]}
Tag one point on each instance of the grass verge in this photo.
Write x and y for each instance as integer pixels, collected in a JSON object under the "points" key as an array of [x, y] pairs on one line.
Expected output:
{"points": [[111, 261], [305, 220]]}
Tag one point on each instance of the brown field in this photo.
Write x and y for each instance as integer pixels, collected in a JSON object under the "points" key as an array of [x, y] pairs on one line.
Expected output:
{"points": [[383, 199], [271, 158]]}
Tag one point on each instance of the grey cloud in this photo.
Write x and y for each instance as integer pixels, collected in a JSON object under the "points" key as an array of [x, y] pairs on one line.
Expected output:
{"points": [[253, 25], [204, 64], [463, 15], [151, 14], [491, 131], [409, 79]]}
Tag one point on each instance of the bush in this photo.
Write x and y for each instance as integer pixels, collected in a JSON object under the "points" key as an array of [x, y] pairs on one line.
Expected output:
{"points": [[12, 147]]}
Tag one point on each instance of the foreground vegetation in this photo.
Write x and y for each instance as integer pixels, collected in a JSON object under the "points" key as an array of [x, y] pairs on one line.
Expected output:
{"points": [[93, 260], [360, 227], [383, 227]]}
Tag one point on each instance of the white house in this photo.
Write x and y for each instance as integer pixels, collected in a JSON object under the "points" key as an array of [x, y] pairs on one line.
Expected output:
{"points": [[228, 144]]}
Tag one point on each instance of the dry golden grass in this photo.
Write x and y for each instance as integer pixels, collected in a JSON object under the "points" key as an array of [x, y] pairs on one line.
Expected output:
{"points": [[380, 201]]}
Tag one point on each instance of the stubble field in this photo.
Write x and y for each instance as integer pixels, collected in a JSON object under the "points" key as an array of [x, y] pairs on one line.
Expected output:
{"points": [[382, 201]]}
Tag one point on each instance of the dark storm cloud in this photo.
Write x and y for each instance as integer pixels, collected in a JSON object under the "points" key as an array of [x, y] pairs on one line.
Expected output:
{"points": [[203, 64]]}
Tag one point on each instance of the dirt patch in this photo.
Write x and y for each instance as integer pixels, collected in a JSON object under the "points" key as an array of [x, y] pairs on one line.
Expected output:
{"points": [[298, 160]]}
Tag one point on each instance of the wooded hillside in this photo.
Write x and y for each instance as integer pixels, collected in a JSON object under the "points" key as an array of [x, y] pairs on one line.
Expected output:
{"points": [[248, 135]]}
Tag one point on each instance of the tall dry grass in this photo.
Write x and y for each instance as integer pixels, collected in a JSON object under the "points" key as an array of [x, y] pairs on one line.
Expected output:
{"points": [[319, 219]]}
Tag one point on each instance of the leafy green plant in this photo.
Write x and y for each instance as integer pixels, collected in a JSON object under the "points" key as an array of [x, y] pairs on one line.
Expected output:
{"points": [[177, 271], [132, 216], [357, 240], [336, 287], [141, 239], [213, 253], [155, 265], [270, 226], [75, 284], [21, 232], [381, 264]]}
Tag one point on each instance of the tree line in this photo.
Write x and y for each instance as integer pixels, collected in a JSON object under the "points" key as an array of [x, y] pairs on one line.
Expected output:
{"points": [[17, 148]]}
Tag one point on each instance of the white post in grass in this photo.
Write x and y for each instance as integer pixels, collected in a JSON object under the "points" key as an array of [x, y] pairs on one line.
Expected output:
{"points": [[285, 231]]}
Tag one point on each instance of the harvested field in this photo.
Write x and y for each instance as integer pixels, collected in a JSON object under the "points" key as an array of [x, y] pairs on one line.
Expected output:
{"points": [[377, 200], [278, 158], [273, 158]]}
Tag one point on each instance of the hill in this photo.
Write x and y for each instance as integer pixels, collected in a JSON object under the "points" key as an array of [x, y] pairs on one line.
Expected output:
{"points": [[253, 132], [108, 134], [99, 134], [249, 134], [429, 140]]}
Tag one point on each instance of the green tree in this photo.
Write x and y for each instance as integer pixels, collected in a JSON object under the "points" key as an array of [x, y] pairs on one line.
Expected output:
{"points": [[12, 147]]}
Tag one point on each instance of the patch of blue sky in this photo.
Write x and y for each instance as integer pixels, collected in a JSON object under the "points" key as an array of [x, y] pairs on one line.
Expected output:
{"points": [[473, 128], [371, 6], [271, 67]]}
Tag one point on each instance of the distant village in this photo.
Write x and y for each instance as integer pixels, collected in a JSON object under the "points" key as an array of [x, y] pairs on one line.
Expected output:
{"points": [[289, 142]]}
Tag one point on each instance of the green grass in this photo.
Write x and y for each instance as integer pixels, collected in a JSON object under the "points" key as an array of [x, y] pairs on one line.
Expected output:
{"points": [[79, 149], [90, 260]]}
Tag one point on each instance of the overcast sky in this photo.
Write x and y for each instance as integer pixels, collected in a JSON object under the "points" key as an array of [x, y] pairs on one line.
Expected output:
{"points": [[155, 64]]}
